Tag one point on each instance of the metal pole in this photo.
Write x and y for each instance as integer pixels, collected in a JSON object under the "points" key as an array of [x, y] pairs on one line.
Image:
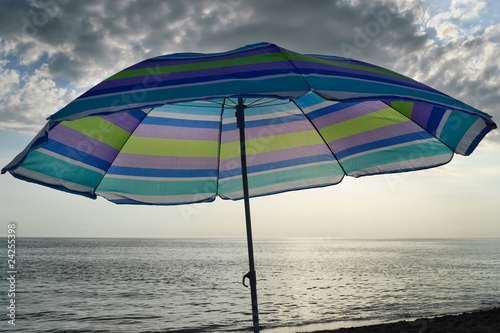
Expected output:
{"points": [[240, 119]]}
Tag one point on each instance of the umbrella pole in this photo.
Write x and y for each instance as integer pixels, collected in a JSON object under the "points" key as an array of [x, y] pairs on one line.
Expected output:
{"points": [[251, 274]]}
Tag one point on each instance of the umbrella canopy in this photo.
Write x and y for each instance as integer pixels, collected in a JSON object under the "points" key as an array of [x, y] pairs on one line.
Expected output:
{"points": [[164, 131]]}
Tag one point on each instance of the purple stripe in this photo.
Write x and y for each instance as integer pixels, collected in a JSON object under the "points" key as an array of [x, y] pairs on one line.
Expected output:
{"points": [[267, 131], [74, 139], [385, 132], [421, 113], [355, 111], [153, 80], [275, 156], [165, 162], [179, 59], [122, 120], [176, 132]]}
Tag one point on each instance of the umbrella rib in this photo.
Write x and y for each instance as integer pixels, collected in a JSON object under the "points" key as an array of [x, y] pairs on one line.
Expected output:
{"points": [[392, 107], [285, 55], [219, 147], [124, 143], [322, 138]]}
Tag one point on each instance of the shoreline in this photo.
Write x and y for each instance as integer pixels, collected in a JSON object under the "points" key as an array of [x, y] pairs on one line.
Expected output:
{"points": [[480, 321]]}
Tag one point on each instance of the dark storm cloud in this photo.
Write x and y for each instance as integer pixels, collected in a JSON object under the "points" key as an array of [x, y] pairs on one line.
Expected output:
{"points": [[90, 33], [86, 41]]}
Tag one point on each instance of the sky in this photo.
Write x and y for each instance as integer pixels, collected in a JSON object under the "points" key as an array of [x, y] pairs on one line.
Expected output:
{"points": [[51, 51]]}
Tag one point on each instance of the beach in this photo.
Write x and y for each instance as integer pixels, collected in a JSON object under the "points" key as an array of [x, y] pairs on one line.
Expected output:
{"points": [[483, 321]]}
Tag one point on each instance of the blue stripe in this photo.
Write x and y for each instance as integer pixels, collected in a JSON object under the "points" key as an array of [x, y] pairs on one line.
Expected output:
{"points": [[476, 140], [383, 143], [134, 202], [265, 122], [359, 76], [170, 82], [77, 155], [249, 88], [154, 173], [137, 114], [329, 109], [181, 122], [434, 119], [277, 165]]}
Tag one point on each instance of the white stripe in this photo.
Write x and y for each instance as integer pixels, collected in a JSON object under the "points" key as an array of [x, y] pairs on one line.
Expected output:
{"points": [[52, 180], [435, 160], [291, 112], [70, 160], [273, 115], [305, 165], [283, 187], [153, 199], [443, 121], [471, 134], [390, 147], [319, 106], [173, 115], [158, 179]]}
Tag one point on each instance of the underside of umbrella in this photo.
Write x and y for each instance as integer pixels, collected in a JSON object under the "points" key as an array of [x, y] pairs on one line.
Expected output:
{"points": [[164, 130]]}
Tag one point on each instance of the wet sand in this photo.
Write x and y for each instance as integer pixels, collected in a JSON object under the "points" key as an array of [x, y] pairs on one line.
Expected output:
{"points": [[484, 321]]}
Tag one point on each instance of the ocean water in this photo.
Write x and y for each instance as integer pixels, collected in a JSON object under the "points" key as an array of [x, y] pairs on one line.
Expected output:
{"points": [[194, 285]]}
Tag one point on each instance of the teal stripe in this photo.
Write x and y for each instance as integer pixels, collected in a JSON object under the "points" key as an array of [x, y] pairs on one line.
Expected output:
{"points": [[157, 187], [245, 87], [394, 155], [379, 88], [57, 168], [282, 177], [456, 128], [309, 100]]}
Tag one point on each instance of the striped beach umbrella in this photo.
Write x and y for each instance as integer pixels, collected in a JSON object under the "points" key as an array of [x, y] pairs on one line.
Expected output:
{"points": [[258, 120]]}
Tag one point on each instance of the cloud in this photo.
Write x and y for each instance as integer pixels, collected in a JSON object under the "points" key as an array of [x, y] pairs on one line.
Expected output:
{"points": [[24, 101], [83, 42], [460, 19]]}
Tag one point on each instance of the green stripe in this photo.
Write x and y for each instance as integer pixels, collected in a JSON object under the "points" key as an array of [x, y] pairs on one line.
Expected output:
{"points": [[362, 124], [170, 147], [57, 168], [271, 143], [99, 129], [394, 155], [156, 187], [251, 60], [285, 176], [405, 108]]}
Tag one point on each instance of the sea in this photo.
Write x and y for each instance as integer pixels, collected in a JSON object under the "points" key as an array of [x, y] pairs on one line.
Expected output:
{"points": [[195, 285]]}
